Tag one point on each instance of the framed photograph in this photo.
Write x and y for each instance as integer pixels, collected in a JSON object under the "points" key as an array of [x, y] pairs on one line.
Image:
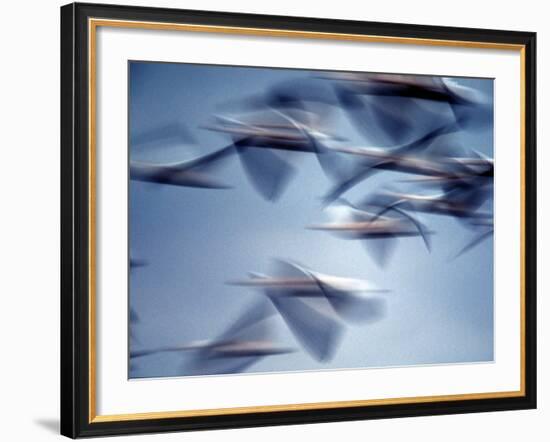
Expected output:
{"points": [[279, 220]]}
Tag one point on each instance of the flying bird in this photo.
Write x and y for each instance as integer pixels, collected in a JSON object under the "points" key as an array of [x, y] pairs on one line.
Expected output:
{"points": [[484, 230], [263, 144], [315, 305], [374, 159], [197, 172], [137, 263], [379, 234], [458, 203], [245, 342], [389, 108]]}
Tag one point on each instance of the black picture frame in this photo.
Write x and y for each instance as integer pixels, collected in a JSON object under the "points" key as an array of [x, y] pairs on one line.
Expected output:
{"points": [[76, 403]]}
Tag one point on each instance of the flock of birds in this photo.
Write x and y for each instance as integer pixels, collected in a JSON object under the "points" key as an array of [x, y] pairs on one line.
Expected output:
{"points": [[414, 117]]}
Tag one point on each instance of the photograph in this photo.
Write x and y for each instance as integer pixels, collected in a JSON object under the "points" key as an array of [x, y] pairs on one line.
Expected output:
{"points": [[285, 220], [275, 220]]}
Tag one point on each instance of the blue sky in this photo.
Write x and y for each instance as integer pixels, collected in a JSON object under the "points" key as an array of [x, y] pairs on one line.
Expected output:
{"points": [[438, 310]]}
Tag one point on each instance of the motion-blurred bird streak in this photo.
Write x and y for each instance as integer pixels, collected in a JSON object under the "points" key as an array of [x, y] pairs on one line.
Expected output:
{"points": [[402, 158], [394, 102], [379, 232], [417, 165], [314, 304], [133, 315], [458, 203], [430, 88], [257, 143], [456, 172], [280, 135], [484, 230], [477, 240], [137, 263], [245, 342], [192, 173], [309, 100]]}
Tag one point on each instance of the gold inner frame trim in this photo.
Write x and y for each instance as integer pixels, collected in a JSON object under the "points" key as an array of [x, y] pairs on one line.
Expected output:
{"points": [[93, 24]]}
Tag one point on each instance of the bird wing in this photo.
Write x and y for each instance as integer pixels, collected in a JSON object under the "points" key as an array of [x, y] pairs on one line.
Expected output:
{"points": [[313, 325], [381, 249], [351, 306], [267, 171], [167, 170], [254, 315], [210, 160], [343, 186], [424, 141], [474, 242], [288, 269]]}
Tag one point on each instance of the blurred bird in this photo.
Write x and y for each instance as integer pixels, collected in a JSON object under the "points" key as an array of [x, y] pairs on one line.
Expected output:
{"points": [[450, 172], [137, 263], [133, 320], [271, 123], [484, 229], [191, 173], [308, 100], [258, 141], [314, 304], [275, 131], [425, 87], [412, 163], [242, 344], [403, 158], [133, 316], [458, 203], [379, 234], [390, 108]]}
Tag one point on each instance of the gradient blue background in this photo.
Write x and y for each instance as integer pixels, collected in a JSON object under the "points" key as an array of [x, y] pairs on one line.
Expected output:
{"points": [[439, 310]]}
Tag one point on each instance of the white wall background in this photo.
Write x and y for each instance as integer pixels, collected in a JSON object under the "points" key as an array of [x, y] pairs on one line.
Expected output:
{"points": [[29, 225]]}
